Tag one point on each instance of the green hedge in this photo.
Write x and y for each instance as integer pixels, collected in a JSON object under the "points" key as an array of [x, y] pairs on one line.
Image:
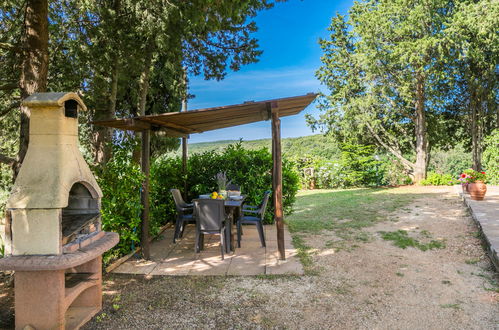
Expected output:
{"points": [[250, 169], [491, 157], [437, 179], [120, 181]]}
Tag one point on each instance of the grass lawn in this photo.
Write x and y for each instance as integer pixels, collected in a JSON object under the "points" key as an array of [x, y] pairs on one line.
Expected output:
{"points": [[343, 210], [345, 213]]}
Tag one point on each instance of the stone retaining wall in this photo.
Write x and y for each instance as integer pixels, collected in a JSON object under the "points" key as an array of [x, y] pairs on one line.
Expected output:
{"points": [[486, 215]]}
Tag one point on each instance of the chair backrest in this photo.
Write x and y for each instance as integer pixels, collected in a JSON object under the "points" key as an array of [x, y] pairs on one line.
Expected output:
{"points": [[209, 214], [234, 187], [263, 205], [177, 198]]}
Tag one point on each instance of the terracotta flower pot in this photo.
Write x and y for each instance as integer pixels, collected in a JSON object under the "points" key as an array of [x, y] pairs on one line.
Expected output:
{"points": [[477, 190]]}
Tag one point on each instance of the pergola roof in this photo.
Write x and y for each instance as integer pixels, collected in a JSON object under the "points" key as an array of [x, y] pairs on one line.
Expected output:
{"points": [[202, 120]]}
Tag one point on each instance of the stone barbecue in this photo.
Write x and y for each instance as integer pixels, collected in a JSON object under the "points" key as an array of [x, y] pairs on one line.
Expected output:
{"points": [[55, 242]]}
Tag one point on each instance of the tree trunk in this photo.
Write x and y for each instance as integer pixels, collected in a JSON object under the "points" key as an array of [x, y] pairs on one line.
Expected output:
{"points": [[143, 91], [476, 130], [420, 128], [103, 135], [34, 66]]}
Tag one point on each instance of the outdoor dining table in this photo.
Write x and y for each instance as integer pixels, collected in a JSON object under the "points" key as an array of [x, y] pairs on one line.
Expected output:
{"points": [[234, 208]]}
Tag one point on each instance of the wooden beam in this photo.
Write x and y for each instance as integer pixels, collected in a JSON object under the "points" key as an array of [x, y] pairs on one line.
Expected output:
{"points": [[172, 126], [146, 153], [138, 124], [277, 178]]}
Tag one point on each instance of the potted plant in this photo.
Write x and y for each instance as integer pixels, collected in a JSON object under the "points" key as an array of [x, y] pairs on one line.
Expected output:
{"points": [[222, 183], [475, 182], [463, 179]]}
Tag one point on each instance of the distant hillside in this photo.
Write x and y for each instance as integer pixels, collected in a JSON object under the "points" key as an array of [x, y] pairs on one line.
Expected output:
{"points": [[311, 145]]}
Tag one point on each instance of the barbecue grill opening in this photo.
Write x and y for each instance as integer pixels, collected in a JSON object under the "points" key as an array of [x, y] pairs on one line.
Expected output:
{"points": [[82, 215]]}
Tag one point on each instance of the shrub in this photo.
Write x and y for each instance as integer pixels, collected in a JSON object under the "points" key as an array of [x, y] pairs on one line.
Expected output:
{"points": [[450, 161], [490, 157], [250, 169], [121, 180], [166, 174], [359, 166], [356, 167], [393, 172], [5, 186], [437, 179]]}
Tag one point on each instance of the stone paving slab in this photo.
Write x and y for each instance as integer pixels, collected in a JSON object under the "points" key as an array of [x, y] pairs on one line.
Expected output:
{"points": [[179, 259], [486, 215]]}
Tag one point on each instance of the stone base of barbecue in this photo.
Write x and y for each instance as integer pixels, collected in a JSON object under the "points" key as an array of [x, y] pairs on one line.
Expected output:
{"points": [[59, 292], [72, 299]]}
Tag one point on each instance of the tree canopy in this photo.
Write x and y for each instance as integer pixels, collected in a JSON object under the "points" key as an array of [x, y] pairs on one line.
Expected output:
{"points": [[392, 69], [125, 57]]}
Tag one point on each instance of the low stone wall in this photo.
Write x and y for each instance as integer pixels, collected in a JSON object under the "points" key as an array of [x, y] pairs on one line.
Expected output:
{"points": [[486, 215]]}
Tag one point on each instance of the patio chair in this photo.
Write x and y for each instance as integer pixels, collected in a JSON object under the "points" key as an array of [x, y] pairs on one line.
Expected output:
{"points": [[257, 219], [254, 209], [233, 187], [210, 219], [184, 214]]}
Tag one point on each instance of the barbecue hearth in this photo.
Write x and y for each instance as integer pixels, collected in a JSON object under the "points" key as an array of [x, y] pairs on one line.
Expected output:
{"points": [[55, 233]]}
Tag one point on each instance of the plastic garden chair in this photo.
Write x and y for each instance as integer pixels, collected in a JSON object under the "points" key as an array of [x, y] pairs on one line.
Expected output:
{"points": [[233, 187], [210, 219], [184, 214], [256, 219]]}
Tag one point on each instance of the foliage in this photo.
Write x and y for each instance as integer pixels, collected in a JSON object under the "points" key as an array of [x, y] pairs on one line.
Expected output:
{"points": [[121, 181], [491, 157], [437, 179], [388, 60], [166, 174], [473, 38], [125, 55], [393, 172], [357, 166], [450, 161], [250, 169], [383, 66]]}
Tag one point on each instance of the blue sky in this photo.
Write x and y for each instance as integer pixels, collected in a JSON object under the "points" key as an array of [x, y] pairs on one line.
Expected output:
{"points": [[288, 35]]}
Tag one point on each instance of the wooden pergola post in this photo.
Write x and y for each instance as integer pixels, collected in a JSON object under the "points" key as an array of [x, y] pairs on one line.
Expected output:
{"points": [[145, 164], [184, 151], [277, 178]]}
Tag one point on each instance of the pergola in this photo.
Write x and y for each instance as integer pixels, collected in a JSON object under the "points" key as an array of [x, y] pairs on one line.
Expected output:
{"points": [[182, 124]]}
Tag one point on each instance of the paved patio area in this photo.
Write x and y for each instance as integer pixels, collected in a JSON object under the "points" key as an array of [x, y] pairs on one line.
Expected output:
{"points": [[180, 259], [486, 215]]}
